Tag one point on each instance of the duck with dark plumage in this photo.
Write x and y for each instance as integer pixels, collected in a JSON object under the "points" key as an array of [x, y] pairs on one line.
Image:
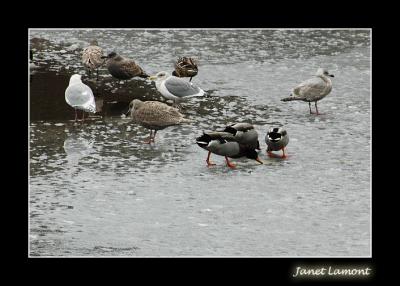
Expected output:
{"points": [[277, 139], [227, 145]]}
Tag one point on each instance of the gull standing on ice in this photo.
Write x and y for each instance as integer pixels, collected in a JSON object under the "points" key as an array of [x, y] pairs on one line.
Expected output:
{"points": [[312, 90], [92, 57], [80, 96], [175, 88], [155, 115]]}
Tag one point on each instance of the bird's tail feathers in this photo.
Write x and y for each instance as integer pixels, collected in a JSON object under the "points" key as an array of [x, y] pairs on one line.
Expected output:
{"points": [[201, 93], [186, 120], [290, 98]]}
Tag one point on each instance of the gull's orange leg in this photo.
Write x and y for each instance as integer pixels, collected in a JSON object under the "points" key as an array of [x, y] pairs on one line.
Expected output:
{"points": [[208, 160], [229, 164]]}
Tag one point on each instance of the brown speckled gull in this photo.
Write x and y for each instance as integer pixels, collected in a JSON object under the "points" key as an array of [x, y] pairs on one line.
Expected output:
{"points": [[155, 115], [92, 57], [123, 68]]}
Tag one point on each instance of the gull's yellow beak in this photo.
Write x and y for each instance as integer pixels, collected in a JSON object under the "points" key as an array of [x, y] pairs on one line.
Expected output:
{"points": [[153, 77]]}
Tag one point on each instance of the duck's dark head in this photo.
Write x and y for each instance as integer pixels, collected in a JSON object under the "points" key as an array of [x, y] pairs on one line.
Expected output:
{"points": [[110, 55], [252, 154], [276, 133], [231, 130], [203, 140]]}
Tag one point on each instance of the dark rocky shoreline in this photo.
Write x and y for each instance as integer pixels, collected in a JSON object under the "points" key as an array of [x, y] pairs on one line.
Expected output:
{"points": [[50, 77]]}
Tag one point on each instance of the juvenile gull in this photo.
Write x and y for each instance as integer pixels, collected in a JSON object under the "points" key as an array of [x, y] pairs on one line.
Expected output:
{"points": [[312, 90], [80, 96], [123, 68], [174, 88], [276, 139], [155, 115], [225, 144], [92, 57], [185, 67]]}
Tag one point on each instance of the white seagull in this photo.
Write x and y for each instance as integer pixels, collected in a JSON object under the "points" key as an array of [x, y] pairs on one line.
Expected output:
{"points": [[175, 88], [79, 96]]}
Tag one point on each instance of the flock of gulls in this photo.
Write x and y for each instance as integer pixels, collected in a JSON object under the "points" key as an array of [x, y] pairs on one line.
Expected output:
{"points": [[235, 141]]}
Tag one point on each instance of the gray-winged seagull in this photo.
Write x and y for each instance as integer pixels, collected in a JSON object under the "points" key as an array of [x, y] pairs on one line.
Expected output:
{"points": [[313, 89], [175, 88]]}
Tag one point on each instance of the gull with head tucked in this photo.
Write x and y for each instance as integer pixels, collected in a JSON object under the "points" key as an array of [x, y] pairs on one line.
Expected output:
{"points": [[313, 89], [79, 96], [175, 88]]}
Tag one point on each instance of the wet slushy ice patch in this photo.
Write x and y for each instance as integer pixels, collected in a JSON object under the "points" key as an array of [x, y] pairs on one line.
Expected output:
{"points": [[96, 190]]}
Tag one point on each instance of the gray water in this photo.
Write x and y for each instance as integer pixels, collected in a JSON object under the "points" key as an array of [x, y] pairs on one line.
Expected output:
{"points": [[96, 190]]}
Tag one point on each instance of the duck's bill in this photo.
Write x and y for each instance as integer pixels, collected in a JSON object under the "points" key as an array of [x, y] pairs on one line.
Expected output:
{"points": [[259, 161], [153, 77], [331, 75], [104, 57]]}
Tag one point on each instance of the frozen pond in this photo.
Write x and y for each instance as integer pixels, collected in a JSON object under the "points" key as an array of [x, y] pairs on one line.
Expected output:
{"points": [[96, 190]]}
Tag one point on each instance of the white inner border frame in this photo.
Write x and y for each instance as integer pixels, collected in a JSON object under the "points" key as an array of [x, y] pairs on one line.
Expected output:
{"points": [[199, 29]]}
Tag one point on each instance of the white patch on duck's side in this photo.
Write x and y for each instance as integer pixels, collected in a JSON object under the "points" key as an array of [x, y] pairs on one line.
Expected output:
{"points": [[274, 139], [214, 143]]}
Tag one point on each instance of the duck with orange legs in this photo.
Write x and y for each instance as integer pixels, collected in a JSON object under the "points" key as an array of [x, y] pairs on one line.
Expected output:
{"points": [[225, 144], [277, 139]]}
